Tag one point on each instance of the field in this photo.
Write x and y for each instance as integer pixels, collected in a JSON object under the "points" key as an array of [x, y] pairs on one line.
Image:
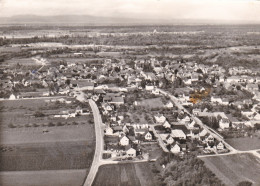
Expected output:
{"points": [[125, 174], [47, 156], [21, 61], [32, 145], [43, 178], [20, 113], [152, 103], [232, 169], [245, 143]]}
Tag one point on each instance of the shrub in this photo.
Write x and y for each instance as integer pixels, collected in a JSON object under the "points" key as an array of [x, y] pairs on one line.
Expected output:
{"points": [[12, 125], [39, 114]]}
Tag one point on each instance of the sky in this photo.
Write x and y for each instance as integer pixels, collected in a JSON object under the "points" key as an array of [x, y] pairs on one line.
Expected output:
{"points": [[248, 10]]}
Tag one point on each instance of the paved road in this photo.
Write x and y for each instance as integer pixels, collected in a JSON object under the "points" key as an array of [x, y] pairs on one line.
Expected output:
{"points": [[97, 161], [199, 122], [254, 152], [159, 139], [46, 97]]}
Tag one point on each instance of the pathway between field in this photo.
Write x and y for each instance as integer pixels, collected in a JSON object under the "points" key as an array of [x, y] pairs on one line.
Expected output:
{"points": [[253, 152]]}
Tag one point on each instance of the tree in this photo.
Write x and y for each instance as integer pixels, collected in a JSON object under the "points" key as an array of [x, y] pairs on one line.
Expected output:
{"points": [[245, 183], [39, 114]]}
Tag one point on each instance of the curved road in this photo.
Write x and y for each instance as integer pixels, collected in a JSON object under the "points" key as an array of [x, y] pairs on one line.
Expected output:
{"points": [[99, 144]]}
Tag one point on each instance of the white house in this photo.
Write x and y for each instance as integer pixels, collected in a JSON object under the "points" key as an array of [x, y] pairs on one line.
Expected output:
{"points": [[169, 104], [148, 136], [149, 87], [131, 152], [224, 123], [216, 99], [124, 141], [177, 133], [176, 148], [220, 146], [12, 97], [169, 139], [166, 124], [155, 91], [160, 118], [109, 131]]}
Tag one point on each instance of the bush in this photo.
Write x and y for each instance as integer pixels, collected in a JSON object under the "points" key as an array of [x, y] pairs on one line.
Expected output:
{"points": [[12, 125], [39, 114], [50, 124], [245, 183]]}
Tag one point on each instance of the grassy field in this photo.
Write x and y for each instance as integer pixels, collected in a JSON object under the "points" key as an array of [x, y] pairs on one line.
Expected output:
{"points": [[232, 169], [21, 61], [43, 178], [33, 150], [20, 113], [47, 156], [245, 143], [152, 103], [125, 174]]}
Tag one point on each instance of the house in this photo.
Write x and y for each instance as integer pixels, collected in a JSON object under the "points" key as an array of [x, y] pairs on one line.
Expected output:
{"points": [[125, 129], [155, 91], [224, 123], [12, 97], [160, 118], [169, 104], [166, 124], [118, 129], [148, 136], [194, 77], [209, 138], [95, 97], [117, 100], [124, 141], [233, 79], [252, 87], [196, 111], [178, 134], [202, 134], [140, 131], [175, 148], [169, 139], [225, 101], [215, 99], [79, 110], [131, 152], [191, 125], [185, 120], [109, 131], [220, 146], [183, 147], [149, 87]]}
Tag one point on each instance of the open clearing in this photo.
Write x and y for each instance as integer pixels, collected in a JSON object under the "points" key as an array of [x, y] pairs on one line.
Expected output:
{"points": [[55, 134], [21, 113], [47, 156], [232, 169], [125, 174], [152, 103], [43, 178], [245, 143]]}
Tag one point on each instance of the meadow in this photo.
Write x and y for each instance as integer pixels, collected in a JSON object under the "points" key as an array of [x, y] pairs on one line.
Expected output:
{"points": [[232, 169]]}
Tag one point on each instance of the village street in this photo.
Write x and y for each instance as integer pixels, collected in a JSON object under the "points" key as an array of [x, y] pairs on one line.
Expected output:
{"points": [[199, 122]]}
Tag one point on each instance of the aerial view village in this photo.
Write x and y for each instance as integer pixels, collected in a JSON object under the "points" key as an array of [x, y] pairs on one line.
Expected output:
{"points": [[138, 105]]}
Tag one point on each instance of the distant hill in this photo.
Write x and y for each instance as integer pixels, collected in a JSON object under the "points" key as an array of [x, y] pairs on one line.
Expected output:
{"points": [[68, 19], [96, 20]]}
